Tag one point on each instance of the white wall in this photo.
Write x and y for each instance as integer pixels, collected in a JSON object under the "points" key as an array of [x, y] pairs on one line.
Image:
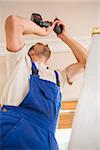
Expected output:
{"points": [[98, 14], [79, 17]]}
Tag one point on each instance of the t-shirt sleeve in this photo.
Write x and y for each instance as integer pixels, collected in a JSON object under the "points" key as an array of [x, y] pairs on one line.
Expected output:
{"points": [[62, 77], [15, 59], [16, 56]]}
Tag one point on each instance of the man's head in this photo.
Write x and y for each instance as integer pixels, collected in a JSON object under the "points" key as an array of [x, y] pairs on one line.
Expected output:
{"points": [[39, 52]]}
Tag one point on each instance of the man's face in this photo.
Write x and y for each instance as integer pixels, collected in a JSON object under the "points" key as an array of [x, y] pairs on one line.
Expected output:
{"points": [[38, 50]]}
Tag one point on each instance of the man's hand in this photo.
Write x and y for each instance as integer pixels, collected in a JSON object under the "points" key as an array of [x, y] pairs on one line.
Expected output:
{"points": [[64, 29], [49, 29]]}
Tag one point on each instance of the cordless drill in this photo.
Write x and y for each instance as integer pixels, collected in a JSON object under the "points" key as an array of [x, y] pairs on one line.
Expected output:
{"points": [[35, 17]]}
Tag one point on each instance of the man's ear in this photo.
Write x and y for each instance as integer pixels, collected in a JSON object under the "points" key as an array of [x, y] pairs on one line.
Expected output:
{"points": [[31, 52]]}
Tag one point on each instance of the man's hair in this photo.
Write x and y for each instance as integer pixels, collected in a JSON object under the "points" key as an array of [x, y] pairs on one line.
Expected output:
{"points": [[44, 51]]}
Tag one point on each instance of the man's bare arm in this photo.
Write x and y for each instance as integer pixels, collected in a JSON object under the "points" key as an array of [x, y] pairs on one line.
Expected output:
{"points": [[16, 27], [80, 53]]}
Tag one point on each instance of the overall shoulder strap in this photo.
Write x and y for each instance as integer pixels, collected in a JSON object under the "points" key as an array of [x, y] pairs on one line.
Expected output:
{"points": [[34, 69], [57, 78]]}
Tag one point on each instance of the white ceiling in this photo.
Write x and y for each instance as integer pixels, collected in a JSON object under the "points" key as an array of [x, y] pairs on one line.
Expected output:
{"points": [[50, 1], [56, 45]]}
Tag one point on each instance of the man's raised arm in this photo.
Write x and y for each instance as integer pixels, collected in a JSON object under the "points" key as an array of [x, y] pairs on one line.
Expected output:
{"points": [[80, 53], [16, 27]]}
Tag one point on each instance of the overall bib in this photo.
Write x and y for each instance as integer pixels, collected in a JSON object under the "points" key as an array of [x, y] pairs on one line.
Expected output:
{"points": [[32, 124]]}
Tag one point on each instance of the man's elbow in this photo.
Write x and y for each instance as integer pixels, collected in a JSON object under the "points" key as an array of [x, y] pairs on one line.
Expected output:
{"points": [[83, 63], [11, 22]]}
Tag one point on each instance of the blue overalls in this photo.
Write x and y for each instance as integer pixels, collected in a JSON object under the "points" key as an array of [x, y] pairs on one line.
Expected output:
{"points": [[32, 124]]}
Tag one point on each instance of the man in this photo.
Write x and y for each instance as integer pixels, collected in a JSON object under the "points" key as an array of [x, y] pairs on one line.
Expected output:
{"points": [[30, 92]]}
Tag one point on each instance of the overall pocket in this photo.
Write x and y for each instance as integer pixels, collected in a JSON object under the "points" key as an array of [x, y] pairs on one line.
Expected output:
{"points": [[13, 127], [26, 135], [49, 90], [7, 122]]}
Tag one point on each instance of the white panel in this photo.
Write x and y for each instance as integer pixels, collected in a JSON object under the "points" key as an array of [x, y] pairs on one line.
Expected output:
{"points": [[86, 125], [55, 44]]}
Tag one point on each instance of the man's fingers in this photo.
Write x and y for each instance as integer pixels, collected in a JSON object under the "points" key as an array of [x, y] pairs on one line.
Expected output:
{"points": [[55, 22], [60, 23]]}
